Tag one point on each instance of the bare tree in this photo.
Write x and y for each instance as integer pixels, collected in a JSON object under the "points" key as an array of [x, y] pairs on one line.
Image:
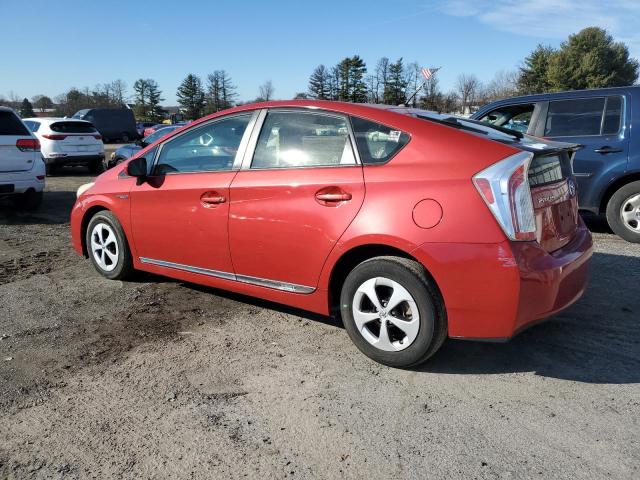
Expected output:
{"points": [[118, 90], [467, 88], [266, 91], [503, 85]]}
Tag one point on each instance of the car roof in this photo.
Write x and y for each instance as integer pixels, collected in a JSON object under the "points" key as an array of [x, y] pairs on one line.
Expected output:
{"points": [[54, 119], [592, 92]]}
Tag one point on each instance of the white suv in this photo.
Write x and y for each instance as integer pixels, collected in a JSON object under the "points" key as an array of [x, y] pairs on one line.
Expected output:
{"points": [[67, 141], [22, 171]]}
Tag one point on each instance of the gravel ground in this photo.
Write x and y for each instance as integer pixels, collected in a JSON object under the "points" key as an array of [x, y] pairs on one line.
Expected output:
{"points": [[156, 378]]}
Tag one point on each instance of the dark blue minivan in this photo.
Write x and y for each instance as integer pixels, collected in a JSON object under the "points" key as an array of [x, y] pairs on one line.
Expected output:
{"points": [[607, 168]]}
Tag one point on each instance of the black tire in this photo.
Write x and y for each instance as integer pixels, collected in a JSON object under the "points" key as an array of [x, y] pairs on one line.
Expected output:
{"points": [[123, 266], [413, 277], [30, 200], [96, 167], [615, 207], [125, 137], [51, 169]]}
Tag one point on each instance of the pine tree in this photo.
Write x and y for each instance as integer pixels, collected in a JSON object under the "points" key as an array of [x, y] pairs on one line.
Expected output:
{"points": [[350, 78], [534, 74], [26, 109], [395, 89], [191, 96], [154, 97], [320, 83], [141, 95]]}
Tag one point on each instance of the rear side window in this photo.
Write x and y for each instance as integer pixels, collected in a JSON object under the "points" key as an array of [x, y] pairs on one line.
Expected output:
{"points": [[584, 117], [612, 116], [377, 143], [296, 139], [72, 127], [10, 124]]}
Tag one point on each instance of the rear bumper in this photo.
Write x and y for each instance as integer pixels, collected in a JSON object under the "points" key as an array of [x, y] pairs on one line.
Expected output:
{"points": [[20, 182], [493, 291], [75, 159]]}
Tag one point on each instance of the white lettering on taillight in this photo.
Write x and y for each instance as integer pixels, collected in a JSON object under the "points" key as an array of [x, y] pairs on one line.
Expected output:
{"points": [[504, 187]]}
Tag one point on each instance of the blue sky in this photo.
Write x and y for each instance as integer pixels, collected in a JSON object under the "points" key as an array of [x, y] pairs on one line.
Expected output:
{"points": [[48, 46]]}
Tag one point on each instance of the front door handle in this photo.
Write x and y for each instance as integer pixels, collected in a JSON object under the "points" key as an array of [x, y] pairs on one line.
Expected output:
{"points": [[606, 149], [331, 196], [210, 199]]}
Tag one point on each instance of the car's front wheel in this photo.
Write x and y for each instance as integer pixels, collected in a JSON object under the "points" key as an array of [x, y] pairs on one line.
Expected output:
{"points": [[623, 212], [107, 246], [392, 311]]}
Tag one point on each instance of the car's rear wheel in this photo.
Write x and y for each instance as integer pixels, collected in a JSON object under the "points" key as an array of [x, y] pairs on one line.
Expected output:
{"points": [[124, 137], [51, 169], [623, 212], [392, 311], [96, 167], [107, 246]]}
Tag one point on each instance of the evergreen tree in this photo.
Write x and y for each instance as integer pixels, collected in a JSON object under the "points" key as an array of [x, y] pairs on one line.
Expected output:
{"points": [[191, 96], [395, 88], [141, 95], [26, 109], [591, 59], [154, 97], [320, 83], [533, 76], [350, 78]]}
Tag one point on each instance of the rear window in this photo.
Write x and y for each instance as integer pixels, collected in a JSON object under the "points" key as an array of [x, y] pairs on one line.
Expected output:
{"points": [[377, 143], [10, 124], [72, 127], [546, 170]]}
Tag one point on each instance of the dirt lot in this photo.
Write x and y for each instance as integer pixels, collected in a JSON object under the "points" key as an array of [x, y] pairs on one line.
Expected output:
{"points": [[161, 379]]}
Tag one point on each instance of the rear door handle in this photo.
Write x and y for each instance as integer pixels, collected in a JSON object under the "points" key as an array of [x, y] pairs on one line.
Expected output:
{"points": [[209, 199], [332, 196], [607, 149]]}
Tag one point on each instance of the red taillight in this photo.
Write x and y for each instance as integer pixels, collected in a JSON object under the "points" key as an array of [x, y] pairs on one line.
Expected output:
{"points": [[28, 145], [504, 186], [40, 177], [55, 137], [98, 137]]}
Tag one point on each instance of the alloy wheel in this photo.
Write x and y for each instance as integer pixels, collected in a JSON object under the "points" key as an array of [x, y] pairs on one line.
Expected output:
{"points": [[104, 246], [630, 213], [385, 314]]}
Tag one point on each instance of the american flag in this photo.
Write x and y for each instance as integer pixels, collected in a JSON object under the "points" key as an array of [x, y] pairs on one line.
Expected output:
{"points": [[427, 73]]}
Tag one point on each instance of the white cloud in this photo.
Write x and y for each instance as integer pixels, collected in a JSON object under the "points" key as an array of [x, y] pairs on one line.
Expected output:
{"points": [[553, 19]]}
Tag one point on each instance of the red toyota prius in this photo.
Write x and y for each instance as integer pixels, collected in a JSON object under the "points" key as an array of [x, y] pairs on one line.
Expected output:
{"points": [[413, 226]]}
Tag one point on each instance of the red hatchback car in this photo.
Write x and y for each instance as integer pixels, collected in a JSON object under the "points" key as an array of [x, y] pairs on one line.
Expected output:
{"points": [[411, 225]]}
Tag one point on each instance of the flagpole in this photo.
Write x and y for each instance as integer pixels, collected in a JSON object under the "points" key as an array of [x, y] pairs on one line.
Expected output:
{"points": [[432, 72]]}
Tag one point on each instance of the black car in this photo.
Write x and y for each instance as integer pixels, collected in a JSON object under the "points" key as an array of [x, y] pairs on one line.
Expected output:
{"points": [[114, 124]]}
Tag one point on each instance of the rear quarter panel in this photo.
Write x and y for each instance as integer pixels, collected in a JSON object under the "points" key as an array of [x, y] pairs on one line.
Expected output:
{"points": [[438, 163]]}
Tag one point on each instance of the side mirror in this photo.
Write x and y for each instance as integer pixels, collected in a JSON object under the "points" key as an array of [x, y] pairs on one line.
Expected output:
{"points": [[137, 168]]}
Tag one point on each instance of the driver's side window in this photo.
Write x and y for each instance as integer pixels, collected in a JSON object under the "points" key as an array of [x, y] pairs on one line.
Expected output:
{"points": [[210, 148]]}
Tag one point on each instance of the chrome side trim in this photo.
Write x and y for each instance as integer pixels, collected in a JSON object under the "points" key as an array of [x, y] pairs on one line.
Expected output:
{"points": [[261, 282], [285, 286], [188, 268]]}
